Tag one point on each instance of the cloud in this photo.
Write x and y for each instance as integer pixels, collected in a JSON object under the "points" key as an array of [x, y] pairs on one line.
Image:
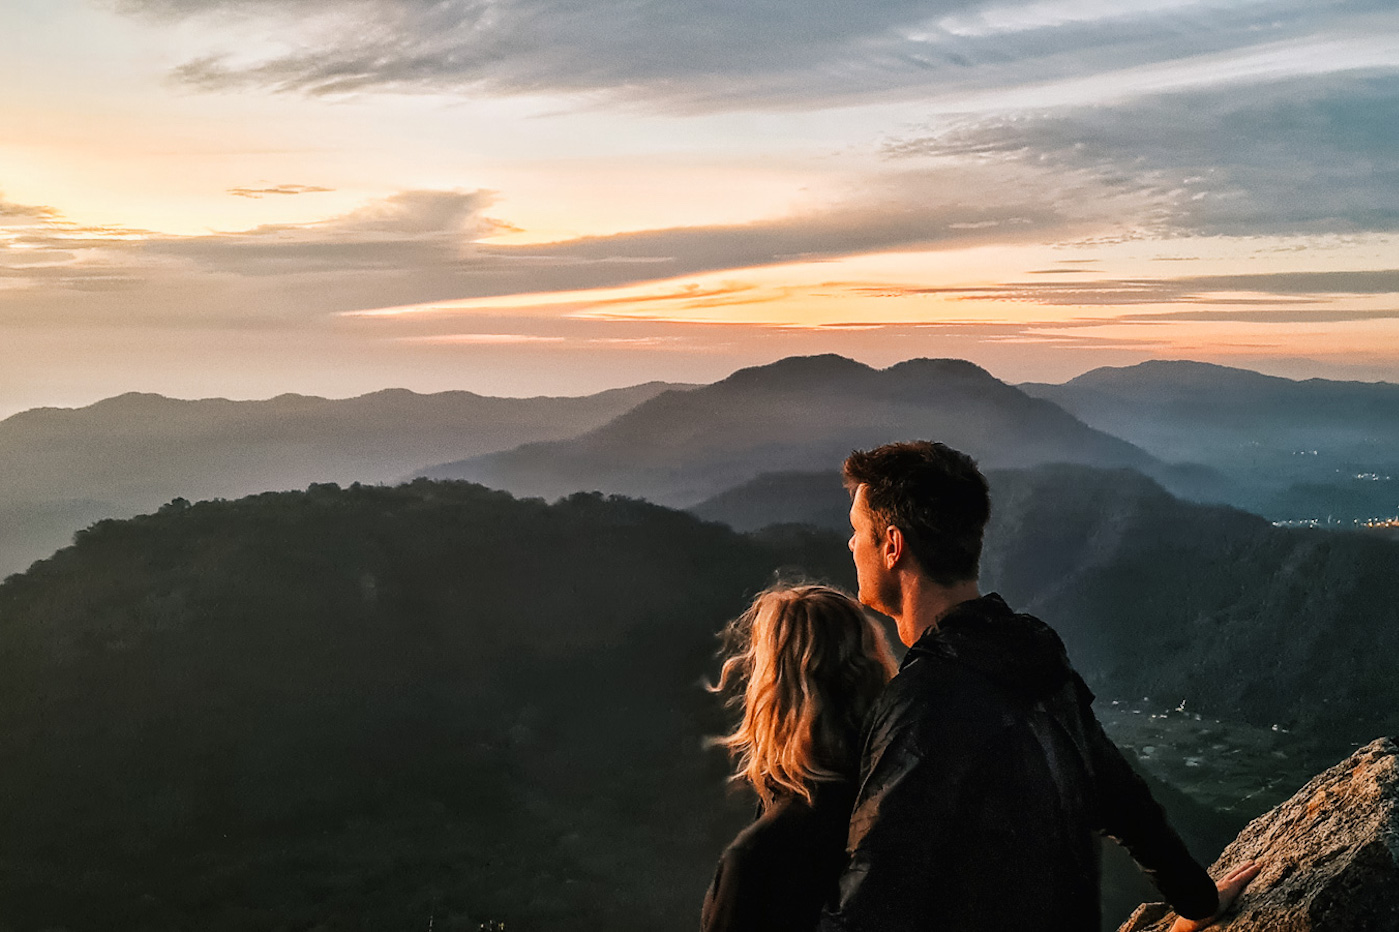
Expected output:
{"points": [[40, 249], [422, 246], [716, 54], [257, 193], [482, 339], [418, 247], [269, 273], [1372, 281], [1262, 289], [1298, 156], [413, 231], [13, 215], [668, 331], [1274, 316], [445, 233]]}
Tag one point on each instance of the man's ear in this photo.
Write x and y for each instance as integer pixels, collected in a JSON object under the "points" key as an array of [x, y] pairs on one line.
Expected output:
{"points": [[893, 549]]}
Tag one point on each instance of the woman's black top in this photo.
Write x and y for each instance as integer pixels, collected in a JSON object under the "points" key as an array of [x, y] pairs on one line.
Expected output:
{"points": [[780, 871]]}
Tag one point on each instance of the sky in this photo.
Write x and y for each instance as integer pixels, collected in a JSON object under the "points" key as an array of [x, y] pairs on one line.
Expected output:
{"points": [[241, 198]]}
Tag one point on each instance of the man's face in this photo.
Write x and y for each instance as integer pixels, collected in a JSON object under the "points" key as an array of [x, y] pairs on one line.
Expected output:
{"points": [[867, 549]]}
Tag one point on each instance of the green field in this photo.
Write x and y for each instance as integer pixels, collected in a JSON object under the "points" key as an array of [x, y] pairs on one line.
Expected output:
{"points": [[1229, 766]]}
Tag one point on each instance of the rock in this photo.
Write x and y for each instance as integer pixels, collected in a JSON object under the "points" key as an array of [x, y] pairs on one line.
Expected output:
{"points": [[1330, 856]]}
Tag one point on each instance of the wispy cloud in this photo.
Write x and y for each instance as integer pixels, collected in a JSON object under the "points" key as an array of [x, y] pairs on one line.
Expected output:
{"points": [[423, 246], [480, 339], [1299, 156], [418, 247], [1267, 289], [243, 278], [1269, 316], [710, 55], [257, 193]]}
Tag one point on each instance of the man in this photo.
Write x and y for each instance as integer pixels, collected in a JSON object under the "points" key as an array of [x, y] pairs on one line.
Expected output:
{"points": [[985, 775]]}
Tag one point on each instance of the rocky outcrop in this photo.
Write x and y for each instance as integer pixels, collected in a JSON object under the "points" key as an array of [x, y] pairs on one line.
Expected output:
{"points": [[1330, 856]]}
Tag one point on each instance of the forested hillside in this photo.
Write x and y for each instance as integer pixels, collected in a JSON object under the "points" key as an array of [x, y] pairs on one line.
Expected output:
{"points": [[424, 706], [363, 708]]}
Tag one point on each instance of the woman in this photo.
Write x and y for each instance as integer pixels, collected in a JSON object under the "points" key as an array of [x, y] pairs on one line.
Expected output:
{"points": [[805, 663]]}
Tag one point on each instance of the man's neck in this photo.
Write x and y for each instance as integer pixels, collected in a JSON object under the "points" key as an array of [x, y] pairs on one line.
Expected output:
{"points": [[925, 603]]}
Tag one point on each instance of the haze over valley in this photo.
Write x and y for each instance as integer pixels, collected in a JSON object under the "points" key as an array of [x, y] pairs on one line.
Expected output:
{"points": [[1313, 452], [61, 469]]}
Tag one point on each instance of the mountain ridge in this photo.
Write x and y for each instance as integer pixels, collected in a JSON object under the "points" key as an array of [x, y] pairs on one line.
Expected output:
{"points": [[679, 449], [1303, 451], [61, 468], [145, 402]]}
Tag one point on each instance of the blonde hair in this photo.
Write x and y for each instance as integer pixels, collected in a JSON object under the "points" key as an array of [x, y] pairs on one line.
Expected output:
{"points": [[805, 663]]}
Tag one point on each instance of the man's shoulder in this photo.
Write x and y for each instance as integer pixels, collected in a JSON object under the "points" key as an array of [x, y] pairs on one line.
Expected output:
{"points": [[926, 673], [934, 700], [976, 675]]}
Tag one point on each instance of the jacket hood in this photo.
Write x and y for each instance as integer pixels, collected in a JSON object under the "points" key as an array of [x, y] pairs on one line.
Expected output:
{"points": [[1019, 653]]}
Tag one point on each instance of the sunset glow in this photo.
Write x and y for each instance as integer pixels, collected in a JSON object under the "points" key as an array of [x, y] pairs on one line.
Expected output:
{"points": [[242, 198]]}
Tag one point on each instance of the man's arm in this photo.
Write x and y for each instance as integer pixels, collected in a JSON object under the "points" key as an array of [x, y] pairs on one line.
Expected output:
{"points": [[1133, 818]]}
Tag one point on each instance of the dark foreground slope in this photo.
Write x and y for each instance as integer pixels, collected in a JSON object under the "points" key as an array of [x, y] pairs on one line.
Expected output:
{"points": [[799, 413], [1173, 600], [362, 709], [61, 469]]}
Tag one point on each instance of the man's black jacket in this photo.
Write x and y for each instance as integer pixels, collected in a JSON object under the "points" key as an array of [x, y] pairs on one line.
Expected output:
{"points": [[984, 778]]}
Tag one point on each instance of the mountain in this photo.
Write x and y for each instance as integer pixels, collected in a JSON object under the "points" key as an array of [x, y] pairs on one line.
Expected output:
{"points": [[798, 413], [62, 468], [815, 498], [424, 706], [1298, 450], [1168, 599]]}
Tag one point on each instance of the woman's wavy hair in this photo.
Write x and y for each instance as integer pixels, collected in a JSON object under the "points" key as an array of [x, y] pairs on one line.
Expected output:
{"points": [[804, 663]]}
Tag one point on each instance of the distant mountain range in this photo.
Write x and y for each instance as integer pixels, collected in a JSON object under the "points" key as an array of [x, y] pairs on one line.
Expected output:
{"points": [[1295, 449], [1291, 451], [63, 468], [801, 413]]}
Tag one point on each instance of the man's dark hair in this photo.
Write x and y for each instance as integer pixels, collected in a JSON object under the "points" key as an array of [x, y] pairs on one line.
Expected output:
{"points": [[932, 493]]}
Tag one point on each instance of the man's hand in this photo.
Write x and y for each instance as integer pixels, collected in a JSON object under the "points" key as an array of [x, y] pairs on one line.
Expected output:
{"points": [[1229, 889]]}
